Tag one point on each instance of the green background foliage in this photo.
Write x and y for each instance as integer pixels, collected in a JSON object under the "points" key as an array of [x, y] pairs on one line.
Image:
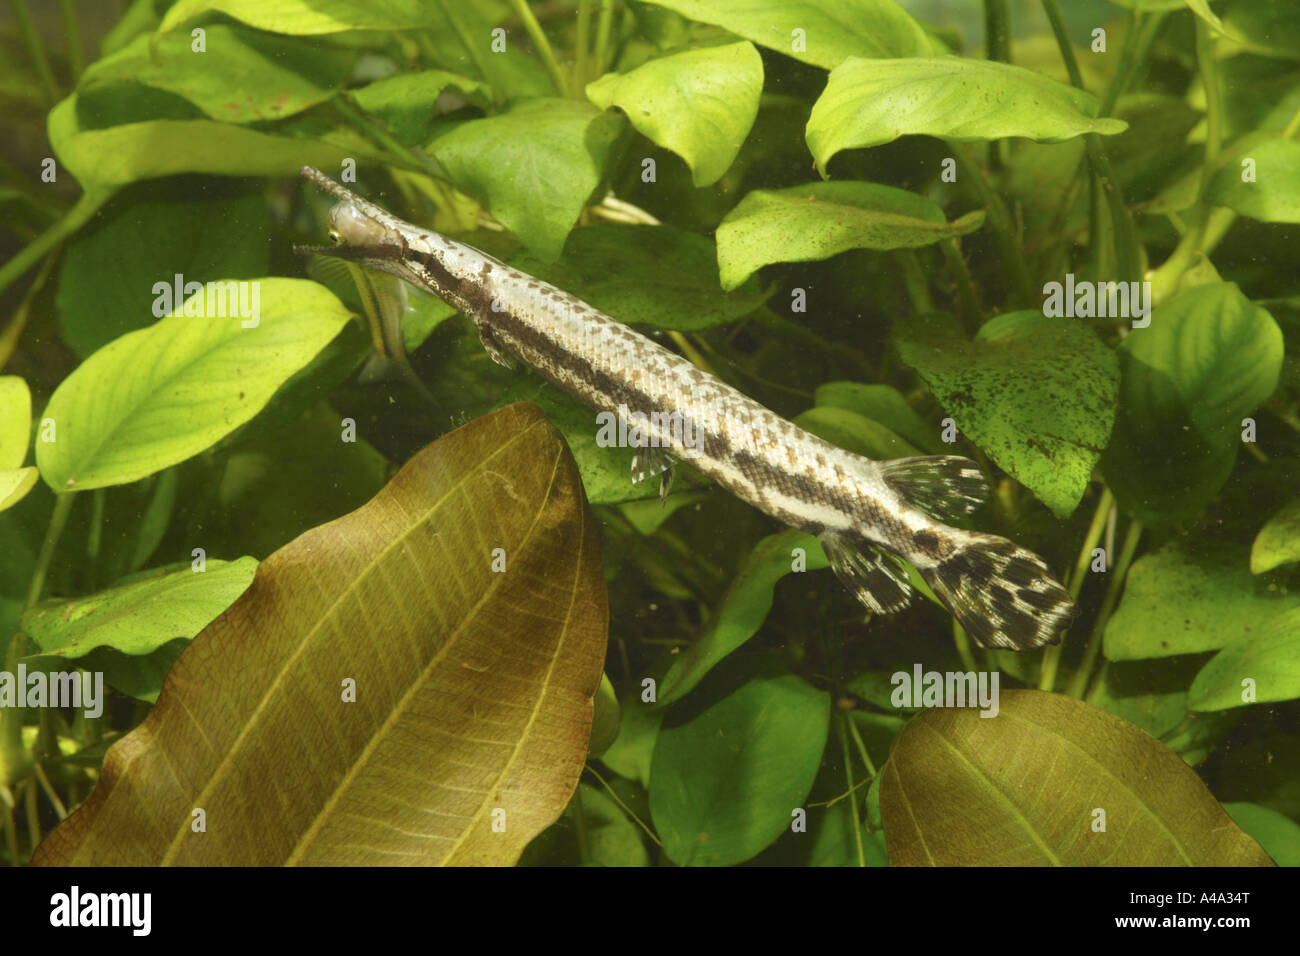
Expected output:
{"points": [[850, 210]]}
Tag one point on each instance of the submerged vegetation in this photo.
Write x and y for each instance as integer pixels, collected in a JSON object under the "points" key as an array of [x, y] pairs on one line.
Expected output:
{"points": [[380, 610]]}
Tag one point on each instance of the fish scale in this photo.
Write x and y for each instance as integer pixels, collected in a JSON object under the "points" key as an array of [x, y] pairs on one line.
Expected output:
{"points": [[866, 513]]}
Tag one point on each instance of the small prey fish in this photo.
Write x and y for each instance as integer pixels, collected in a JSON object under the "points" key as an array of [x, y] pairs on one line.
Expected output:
{"points": [[866, 513]]}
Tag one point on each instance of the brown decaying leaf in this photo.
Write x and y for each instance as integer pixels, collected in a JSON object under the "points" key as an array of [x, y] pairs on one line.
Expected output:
{"points": [[474, 688], [1024, 789]]}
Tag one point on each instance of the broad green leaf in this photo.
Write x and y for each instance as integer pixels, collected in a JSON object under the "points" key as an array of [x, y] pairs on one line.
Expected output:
{"points": [[743, 608], [870, 102], [855, 433], [1278, 834], [1037, 394], [1274, 195], [884, 404], [834, 843], [612, 839], [632, 750], [604, 725], [534, 167], [149, 234], [306, 17], [15, 420], [407, 102], [1262, 666], [104, 158], [1263, 26], [1024, 788], [473, 690], [723, 785], [15, 483], [139, 618], [659, 276], [155, 397], [242, 76], [820, 32], [820, 220], [15, 431], [1208, 359], [700, 104], [1278, 542], [1180, 603]]}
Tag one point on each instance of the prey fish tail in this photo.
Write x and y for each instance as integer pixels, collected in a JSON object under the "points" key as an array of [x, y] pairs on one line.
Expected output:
{"points": [[867, 514]]}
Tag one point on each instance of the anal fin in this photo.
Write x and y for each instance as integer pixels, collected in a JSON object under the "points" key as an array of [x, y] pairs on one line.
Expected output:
{"points": [[870, 573]]}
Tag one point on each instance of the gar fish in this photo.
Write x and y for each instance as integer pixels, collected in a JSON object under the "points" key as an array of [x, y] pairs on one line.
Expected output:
{"points": [[866, 514]]}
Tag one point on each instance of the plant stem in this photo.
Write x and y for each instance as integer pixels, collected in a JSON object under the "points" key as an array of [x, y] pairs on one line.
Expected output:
{"points": [[1063, 42], [582, 42], [1079, 684], [1052, 656], [914, 280], [72, 34], [13, 332], [541, 44], [36, 50], [603, 26], [853, 797], [400, 155], [967, 299], [72, 220], [1004, 229]]}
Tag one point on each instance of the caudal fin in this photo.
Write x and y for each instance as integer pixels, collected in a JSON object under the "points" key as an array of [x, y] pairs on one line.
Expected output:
{"points": [[1003, 595]]}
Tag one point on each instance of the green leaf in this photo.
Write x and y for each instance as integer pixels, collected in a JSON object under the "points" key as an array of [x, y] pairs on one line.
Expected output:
{"points": [[15, 432], [413, 697], [854, 433], [1274, 196], [828, 30], [1269, 658], [306, 17], [15, 420], [820, 220], [886, 405], [1023, 789], [149, 234], [632, 750], [139, 618], [155, 397], [834, 843], [534, 167], [700, 104], [1278, 542], [604, 725], [105, 158], [1263, 26], [870, 102], [743, 609], [659, 276], [1278, 834], [1037, 394], [1208, 359], [1180, 603], [242, 76], [723, 785], [612, 839], [407, 102]]}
